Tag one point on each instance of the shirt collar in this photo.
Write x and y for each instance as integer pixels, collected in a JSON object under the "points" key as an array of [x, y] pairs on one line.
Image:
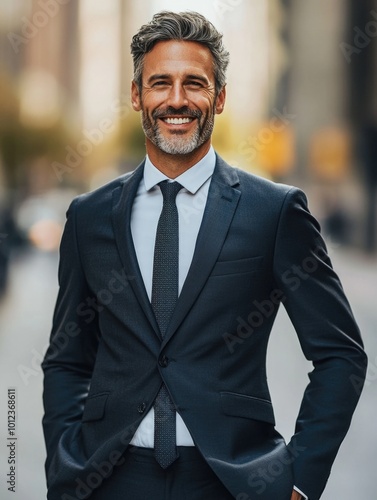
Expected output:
{"points": [[192, 179]]}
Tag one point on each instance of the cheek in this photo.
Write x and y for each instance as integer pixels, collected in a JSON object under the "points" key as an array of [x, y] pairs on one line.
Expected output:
{"points": [[153, 100], [200, 99], [207, 104]]}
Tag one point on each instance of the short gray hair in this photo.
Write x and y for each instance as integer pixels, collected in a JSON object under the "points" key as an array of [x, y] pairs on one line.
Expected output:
{"points": [[186, 26]]}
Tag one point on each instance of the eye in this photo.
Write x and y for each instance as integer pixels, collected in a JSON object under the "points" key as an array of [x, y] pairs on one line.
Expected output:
{"points": [[160, 83], [194, 84]]}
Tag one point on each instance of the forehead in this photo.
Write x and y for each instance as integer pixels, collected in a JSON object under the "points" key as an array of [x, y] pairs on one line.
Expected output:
{"points": [[176, 57]]}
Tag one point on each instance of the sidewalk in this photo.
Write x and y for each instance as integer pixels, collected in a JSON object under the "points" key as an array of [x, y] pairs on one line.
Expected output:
{"points": [[25, 320]]}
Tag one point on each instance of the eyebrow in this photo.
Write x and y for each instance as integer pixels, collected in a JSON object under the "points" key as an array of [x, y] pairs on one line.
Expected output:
{"points": [[158, 77], [164, 76]]}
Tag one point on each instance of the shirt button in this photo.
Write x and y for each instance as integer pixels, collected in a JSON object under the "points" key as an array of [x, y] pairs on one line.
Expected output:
{"points": [[163, 361], [141, 408]]}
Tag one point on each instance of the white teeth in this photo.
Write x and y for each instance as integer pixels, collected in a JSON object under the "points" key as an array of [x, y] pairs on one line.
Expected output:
{"points": [[177, 121]]}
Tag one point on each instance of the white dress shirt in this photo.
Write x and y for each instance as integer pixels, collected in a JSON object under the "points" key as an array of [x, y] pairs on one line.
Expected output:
{"points": [[146, 210]]}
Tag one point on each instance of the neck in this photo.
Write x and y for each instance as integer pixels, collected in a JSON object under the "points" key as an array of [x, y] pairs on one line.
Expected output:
{"points": [[174, 165]]}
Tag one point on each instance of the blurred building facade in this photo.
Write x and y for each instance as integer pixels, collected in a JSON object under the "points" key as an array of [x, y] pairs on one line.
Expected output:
{"points": [[302, 99], [39, 73], [333, 54], [39, 97], [361, 53]]}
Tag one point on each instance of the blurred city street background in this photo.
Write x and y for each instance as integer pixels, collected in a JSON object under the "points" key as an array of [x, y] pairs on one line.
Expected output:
{"points": [[301, 109]]}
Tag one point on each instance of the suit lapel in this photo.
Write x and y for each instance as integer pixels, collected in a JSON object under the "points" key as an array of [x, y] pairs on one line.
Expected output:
{"points": [[123, 198], [219, 211]]}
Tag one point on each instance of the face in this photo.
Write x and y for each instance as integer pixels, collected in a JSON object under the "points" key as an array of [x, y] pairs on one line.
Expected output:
{"points": [[178, 99]]}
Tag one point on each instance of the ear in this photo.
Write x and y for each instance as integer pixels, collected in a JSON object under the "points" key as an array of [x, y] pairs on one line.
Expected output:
{"points": [[135, 97], [220, 101]]}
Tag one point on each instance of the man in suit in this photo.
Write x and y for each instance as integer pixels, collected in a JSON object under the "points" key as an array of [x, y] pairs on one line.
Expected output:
{"points": [[155, 379]]}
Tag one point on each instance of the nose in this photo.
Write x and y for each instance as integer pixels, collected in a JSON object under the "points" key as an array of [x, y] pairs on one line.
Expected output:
{"points": [[177, 96]]}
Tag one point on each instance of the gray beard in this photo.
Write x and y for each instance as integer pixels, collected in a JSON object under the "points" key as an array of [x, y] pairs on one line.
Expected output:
{"points": [[177, 144]]}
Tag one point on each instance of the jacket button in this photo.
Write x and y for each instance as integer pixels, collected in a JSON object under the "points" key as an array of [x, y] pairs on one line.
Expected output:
{"points": [[141, 407], [163, 361]]}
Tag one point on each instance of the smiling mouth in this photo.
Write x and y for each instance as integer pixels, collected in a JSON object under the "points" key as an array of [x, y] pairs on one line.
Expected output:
{"points": [[178, 121]]}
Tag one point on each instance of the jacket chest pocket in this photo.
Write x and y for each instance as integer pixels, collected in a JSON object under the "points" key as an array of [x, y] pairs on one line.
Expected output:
{"points": [[241, 266]]}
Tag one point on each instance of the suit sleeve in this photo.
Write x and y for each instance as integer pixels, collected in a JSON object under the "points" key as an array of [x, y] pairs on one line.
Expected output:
{"points": [[329, 338], [70, 358]]}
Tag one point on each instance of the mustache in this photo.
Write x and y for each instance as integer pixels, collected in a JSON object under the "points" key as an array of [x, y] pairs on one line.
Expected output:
{"points": [[169, 111]]}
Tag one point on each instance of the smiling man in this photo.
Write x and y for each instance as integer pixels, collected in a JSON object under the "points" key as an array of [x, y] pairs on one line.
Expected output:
{"points": [[157, 389]]}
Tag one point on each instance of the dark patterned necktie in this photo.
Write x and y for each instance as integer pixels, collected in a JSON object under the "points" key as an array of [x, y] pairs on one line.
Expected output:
{"points": [[164, 298]]}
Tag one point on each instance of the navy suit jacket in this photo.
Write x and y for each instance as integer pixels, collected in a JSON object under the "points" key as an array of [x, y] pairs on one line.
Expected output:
{"points": [[258, 246]]}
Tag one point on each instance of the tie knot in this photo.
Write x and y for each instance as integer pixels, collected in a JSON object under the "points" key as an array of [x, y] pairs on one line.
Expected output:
{"points": [[169, 190]]}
